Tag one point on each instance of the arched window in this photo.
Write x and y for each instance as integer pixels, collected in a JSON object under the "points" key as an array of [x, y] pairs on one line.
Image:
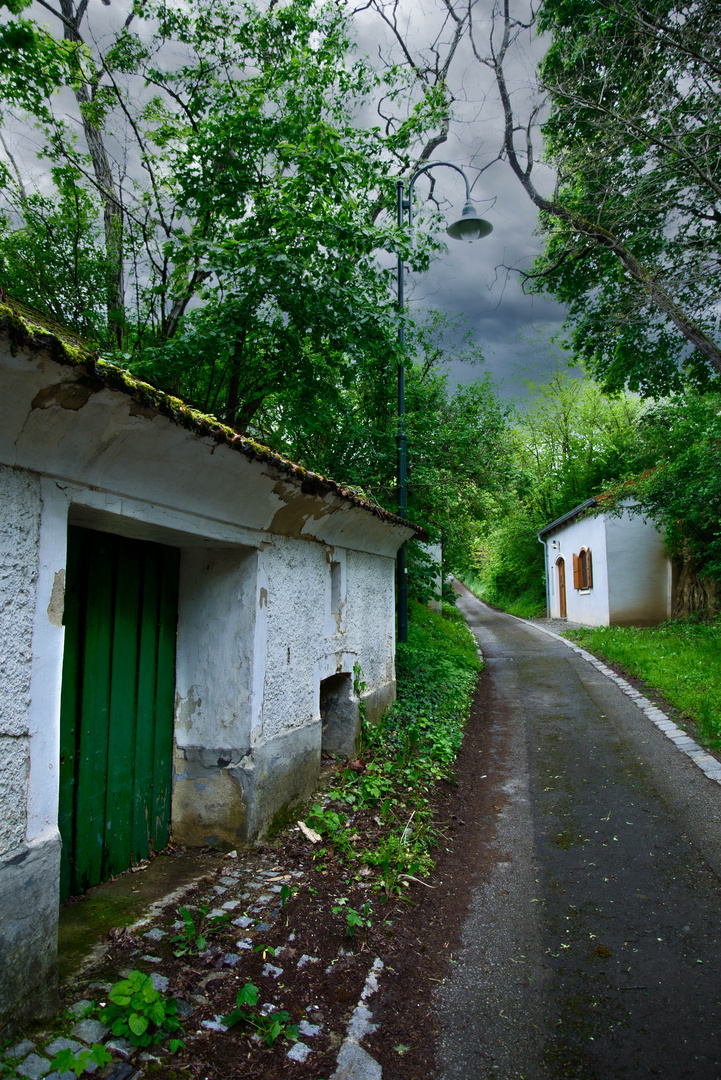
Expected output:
{"points": [[582, 570]]}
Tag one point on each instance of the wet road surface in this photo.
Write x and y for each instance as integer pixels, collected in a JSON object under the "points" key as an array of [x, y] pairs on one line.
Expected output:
{"points": [[592, 949]]}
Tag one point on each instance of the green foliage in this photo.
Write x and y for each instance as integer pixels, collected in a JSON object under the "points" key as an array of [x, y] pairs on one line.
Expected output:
{"points": [[526, 603], [676, 477], [51, 254], [634, 133], [455, 441], [412, 748], [192, 937], [422, 574], [138, 1012], [287, 892], [70, 1061], [355, 919], [244, 248], [570, 442], [237, 265], [269, 1027], [33, 63], [511, 568], [681, 660], [457, 457]]}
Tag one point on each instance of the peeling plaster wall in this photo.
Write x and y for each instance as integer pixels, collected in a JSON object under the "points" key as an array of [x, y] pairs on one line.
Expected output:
{"points": [[297, 573], [213, 677], [371, 618], [257, 633], [298, 639], [216, 693], [300, 649], [29, 856], [19, 544]]}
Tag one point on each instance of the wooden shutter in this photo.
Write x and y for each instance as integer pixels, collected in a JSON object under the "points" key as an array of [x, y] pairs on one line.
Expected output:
{"points": [[576, 572], [589, 570]]}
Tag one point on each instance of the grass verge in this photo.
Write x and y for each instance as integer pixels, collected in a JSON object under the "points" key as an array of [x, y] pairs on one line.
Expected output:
{"points": [[680, 659], [377, 816]]}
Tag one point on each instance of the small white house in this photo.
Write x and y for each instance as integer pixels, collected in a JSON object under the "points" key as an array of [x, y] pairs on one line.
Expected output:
{"points": [[186, 620], [606, 569]]}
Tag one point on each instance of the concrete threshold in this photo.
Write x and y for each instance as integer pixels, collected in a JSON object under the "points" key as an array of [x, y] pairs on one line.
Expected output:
{"points": [[133, 896]]}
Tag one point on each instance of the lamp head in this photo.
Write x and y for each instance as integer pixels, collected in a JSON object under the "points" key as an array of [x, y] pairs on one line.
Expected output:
{"points": [[470, 227]]}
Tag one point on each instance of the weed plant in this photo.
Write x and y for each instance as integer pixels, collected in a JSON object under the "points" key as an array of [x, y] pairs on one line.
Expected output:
{"points": [[268, 1026], [679, 659], [405, 755], [138, 1012], [193, 936]]}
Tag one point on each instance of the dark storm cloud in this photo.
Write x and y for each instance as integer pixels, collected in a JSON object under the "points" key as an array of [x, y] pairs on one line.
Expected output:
{"points": [[481, 281]]}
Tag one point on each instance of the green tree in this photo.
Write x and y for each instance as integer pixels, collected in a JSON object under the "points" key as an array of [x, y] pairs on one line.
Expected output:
{"points": [[241, 229], [634, 135], [676, 477], [52, 255], [456, 438], [570, 442], [628, 97]]}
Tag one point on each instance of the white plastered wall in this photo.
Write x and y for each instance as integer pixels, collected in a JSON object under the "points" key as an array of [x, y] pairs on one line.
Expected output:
{"points": [[257, 634], [19, 552], [306, 643], [257, 546], [214, 659], [588, 606], [639, 579], [32, 554]]}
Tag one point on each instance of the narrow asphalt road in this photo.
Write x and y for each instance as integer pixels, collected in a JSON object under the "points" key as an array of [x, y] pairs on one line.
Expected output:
{"points": [[592, 947]]}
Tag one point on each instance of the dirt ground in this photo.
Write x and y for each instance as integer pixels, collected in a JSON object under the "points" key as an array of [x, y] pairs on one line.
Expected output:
{"points": [[300, 954]]}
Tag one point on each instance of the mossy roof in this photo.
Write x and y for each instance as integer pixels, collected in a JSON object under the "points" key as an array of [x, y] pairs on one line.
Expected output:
{"points": [[31, 330]]}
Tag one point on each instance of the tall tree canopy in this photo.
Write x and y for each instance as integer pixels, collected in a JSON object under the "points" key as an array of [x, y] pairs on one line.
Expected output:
{"points": [[675, 474], [634, 133], [629, 99], [569, 442], [219, 144], [215, 193]]}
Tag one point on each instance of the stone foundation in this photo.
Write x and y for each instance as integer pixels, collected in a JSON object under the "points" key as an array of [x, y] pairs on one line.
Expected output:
{"points": [[223, 798], [29, 901]]}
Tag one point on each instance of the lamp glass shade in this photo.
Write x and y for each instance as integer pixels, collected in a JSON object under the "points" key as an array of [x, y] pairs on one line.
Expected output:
{"points": [[470, 227]]}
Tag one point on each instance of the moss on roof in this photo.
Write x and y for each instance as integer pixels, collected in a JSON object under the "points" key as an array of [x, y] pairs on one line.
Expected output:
{"points": [[29, 329]]}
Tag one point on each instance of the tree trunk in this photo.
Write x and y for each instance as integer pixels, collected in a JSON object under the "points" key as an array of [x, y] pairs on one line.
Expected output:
{"points": [[233, 399], [695, 593], [113, 211]]}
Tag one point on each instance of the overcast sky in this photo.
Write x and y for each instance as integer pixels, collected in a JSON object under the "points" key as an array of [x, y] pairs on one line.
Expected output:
{"points": [[471, 280]]}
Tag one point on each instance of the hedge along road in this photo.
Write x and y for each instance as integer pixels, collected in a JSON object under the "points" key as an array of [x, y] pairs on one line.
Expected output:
{"points": [[592, 947]]}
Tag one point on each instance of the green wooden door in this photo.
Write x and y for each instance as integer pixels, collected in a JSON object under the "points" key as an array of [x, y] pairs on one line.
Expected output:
{"points": [[116, 717]]}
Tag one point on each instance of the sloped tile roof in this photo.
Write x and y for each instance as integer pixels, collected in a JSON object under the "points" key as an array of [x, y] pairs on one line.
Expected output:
{"points": [[26, 328]]}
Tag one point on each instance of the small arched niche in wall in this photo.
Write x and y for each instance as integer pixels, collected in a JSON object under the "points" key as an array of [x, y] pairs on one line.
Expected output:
{"points": [[339, 715], [335, 598]]}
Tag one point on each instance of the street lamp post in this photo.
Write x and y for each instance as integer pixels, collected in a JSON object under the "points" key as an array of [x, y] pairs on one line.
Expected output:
{"points": [[469, 227]]}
